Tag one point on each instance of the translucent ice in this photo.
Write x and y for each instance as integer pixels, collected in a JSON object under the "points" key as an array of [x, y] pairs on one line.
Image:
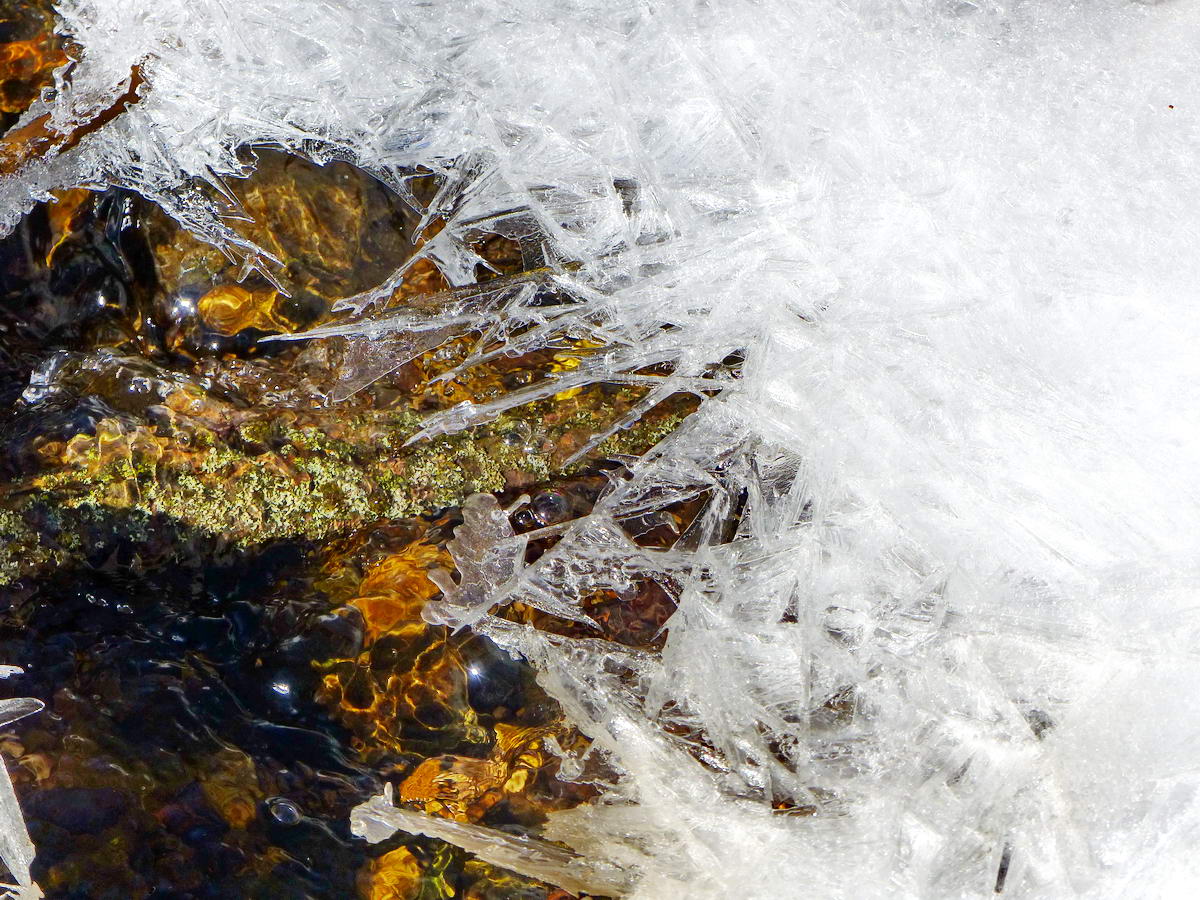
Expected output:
{"points": [[16, 850], [954, 243], [379, 819]]}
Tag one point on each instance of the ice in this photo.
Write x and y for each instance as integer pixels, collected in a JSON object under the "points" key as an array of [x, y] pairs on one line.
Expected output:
{"points": [[954, 243], [487, 553], [379, 819], [16, 850]]}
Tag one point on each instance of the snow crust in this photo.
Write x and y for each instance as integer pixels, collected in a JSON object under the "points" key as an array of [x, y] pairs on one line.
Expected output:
{"points": [[955, 242]]}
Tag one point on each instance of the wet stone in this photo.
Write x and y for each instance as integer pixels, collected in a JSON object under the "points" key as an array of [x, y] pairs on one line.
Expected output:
{"points": [[324, 232], [77, 810]]}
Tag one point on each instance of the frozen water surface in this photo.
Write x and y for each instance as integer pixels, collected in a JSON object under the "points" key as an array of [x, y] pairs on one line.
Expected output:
{"points": [[955, 243]]}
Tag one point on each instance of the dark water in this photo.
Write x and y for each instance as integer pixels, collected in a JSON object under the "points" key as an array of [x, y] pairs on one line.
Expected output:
{"points": [[180, 714], [186, 749], [182, 752]]}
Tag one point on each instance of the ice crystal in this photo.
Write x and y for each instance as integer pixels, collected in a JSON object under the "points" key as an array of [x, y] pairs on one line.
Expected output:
{"points": [[487, 554], [953, 244], [16, 850], [378, 819]]}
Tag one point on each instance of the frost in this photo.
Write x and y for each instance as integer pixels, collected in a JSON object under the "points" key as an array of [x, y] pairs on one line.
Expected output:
{"points": [[954, 244]]}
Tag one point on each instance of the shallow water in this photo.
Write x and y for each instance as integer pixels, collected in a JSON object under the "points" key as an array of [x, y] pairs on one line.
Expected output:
{"points": [[223, 683]]}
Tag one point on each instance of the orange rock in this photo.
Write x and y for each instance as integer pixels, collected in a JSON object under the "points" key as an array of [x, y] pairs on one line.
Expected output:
{"points": [[230, 308], [25, 67], [37, 139], [393, 876], [396, 589]]}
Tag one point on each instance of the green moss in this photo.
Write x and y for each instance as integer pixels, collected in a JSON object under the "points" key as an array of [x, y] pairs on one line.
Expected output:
{"points": [[312, 485], [19, 547], [641, 436], [257, 431]]}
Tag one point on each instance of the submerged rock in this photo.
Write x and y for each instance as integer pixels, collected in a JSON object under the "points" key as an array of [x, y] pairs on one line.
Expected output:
{"points": [[77, 810], [321, 232], [30, 51]]}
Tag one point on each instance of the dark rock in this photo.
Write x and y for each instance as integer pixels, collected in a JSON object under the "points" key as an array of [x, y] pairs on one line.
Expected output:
{"points": [[77, 810]]}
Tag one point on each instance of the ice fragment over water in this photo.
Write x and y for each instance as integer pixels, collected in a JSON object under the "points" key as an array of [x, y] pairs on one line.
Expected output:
{"points": [[488, 555], [378, 819], [16, 850]]}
